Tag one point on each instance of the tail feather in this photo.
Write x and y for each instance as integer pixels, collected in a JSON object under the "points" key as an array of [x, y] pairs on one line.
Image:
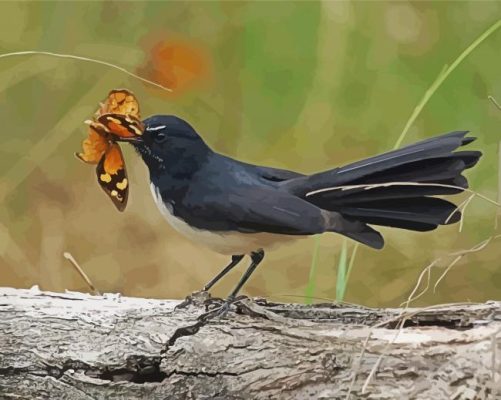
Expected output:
{"points": [[439, 147], [405, 181], [401, 224], [394, 191], [428, 210], [366, 235], [427, 170]]}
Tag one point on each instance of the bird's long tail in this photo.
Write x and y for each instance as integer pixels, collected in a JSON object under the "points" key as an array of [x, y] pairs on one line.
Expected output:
{"points": [[395, 189]]}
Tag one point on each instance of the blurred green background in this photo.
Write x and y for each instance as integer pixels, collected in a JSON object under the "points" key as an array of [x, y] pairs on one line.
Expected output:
{"points": [[299, 85]]}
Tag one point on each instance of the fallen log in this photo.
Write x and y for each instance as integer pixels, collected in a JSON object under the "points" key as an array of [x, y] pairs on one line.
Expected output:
{"points": [[81, 347]]}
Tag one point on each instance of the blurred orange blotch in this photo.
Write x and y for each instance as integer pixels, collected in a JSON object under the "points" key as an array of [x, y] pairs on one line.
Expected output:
{"points": [[176, 63]]}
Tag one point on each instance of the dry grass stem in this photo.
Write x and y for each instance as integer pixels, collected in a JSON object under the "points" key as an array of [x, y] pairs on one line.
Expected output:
{"points": [[81, 272], [86, 59], [461, 207], [449, 267], [478, 247], [426, 271]]}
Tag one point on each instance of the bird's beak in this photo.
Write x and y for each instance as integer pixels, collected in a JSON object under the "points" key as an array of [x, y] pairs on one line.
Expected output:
{"points": [[132, 139]]}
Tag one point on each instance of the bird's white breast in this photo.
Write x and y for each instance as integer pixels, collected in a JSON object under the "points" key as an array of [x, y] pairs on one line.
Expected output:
{"points": [[231, 242]]}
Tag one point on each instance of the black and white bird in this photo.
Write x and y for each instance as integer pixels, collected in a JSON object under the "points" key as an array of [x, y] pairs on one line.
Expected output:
{"points": [[239, 209]]}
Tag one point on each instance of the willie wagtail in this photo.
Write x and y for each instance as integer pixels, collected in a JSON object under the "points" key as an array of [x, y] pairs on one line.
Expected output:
{"points": [[242, 209]]}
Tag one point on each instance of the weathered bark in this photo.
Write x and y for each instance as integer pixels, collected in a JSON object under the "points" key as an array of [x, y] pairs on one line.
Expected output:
{"points": [[76, 346]]}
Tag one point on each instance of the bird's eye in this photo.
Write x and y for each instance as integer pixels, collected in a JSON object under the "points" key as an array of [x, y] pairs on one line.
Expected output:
{"points": [[160, 137]]}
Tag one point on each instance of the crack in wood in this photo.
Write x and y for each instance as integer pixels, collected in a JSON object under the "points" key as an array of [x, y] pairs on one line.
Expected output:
{"points": [[222, 308], [139, 369]]}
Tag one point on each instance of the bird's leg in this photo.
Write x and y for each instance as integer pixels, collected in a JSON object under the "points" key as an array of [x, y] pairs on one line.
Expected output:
{"points": [[256, 258], [206, 296], [234, 261]]}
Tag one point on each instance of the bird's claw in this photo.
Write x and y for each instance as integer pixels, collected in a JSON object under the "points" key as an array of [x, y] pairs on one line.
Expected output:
{"points": [[213, 302], [220, 307]]}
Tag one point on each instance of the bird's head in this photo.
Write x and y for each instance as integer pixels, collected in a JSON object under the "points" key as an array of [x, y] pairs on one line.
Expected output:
{"points": [[168, 140]]}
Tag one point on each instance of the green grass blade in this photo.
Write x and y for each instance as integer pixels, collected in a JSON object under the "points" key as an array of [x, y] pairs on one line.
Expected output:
{"points": [[342, 272], [352, 261], [426, 97], [310, 288], [441, 78]]}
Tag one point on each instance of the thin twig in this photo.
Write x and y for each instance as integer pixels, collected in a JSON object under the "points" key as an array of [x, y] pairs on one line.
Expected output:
{"points": [[449, 267], [87, 59], [466, 203], [474, 249], [427, 271], [461, 207], [81, 272]]}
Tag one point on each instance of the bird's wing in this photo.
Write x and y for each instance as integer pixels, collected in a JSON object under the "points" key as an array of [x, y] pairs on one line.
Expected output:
{"points": [[253, 209], [250, 209], [277, 174]]}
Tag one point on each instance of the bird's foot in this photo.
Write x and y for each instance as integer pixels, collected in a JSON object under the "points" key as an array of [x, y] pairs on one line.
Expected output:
{"points": [[198, 299], [218, 307], [213, 302]]}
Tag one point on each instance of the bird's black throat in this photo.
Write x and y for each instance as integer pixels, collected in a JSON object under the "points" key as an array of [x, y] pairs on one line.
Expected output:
{"points": [[172, 167]]}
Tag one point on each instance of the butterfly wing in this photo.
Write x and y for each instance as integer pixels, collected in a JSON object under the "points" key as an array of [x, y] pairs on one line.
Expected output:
{"points": [[120, 101], [117, 116], [124, 126], [112, 176], [94, 147]]}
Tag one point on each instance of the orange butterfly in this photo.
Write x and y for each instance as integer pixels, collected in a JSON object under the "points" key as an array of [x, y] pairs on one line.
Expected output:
{"points": [[117, 116]]}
